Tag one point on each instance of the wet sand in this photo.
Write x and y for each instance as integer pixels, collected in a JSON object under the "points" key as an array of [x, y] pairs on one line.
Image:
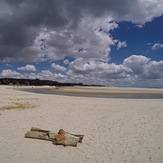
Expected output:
{"points": [[100, 92]]}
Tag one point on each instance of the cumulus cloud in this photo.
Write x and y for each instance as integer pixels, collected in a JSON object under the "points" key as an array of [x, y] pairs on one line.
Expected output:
{"points": [[136, 63], [47, 74], [11, 74], [58, 67], [143, 68], [153, 70], [157, 46], [136, 70], [96, 71], [66, 61], [87, 41], [141, 11], [121, 44], [27, 68], [39, 30]]}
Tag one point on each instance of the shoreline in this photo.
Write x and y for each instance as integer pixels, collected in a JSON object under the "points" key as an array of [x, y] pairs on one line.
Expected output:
{"points": [[101, 92]]}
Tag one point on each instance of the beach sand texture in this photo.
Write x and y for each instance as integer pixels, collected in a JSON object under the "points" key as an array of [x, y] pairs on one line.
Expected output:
{"points": [[116, 130]]}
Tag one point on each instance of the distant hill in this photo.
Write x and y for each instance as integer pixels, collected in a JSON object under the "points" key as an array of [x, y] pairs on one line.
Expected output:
{"points": [[36, 82]]}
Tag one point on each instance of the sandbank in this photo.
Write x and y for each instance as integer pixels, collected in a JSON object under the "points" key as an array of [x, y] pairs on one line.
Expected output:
{"points": [[103, 92], [106, 90]]}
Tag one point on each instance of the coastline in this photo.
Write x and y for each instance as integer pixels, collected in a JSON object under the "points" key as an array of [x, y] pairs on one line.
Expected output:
{"points": [[116, 130]]}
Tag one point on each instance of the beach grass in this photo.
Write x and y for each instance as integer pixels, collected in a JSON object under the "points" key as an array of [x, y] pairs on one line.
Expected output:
{"points": [[16, 105]]}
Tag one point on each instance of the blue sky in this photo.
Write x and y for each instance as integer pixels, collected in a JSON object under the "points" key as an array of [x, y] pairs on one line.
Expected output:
{"points": [[139, 40], [111, 43]]}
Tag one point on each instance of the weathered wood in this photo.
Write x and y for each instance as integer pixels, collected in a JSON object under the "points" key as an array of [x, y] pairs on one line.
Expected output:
{"points": [[38, 129], [37, 135], [79, 136], [69, 139]]}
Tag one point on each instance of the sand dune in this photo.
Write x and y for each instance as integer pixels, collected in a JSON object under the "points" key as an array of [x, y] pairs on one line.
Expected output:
{"points": [[116, 130]]}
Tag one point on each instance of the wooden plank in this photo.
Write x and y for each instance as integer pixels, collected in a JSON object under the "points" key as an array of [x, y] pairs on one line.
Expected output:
{"points": [[38, 129], [80, 136], [37, 135], [68, 141]]}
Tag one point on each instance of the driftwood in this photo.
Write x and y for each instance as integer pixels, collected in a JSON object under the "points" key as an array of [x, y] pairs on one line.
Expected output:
{"points": [[40, 130], [65, 138]]}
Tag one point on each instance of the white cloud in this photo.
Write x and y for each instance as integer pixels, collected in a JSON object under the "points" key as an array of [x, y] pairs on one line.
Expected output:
{"points": [[121, 44], [143, 68], [58, 67], [60, 77], [153, 70], [136, 63], [11, 74], [96, 71], [45, 36], [66, 61], [87, 41], [27, 68], [46, 74], [142, 11], [136, 70], [157, 46]]}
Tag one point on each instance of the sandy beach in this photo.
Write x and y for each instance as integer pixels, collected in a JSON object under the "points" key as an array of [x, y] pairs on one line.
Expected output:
{"points": [[115, 130]]}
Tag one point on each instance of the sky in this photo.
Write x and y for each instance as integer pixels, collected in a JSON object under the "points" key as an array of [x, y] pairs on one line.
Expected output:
{"points": [[104, 42]]}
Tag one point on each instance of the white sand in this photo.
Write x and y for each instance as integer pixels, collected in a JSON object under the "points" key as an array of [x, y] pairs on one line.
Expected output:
{"points": [[116, 130]]}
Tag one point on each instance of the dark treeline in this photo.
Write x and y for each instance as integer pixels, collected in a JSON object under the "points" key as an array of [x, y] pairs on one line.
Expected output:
{"points": [[36, 82]]}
